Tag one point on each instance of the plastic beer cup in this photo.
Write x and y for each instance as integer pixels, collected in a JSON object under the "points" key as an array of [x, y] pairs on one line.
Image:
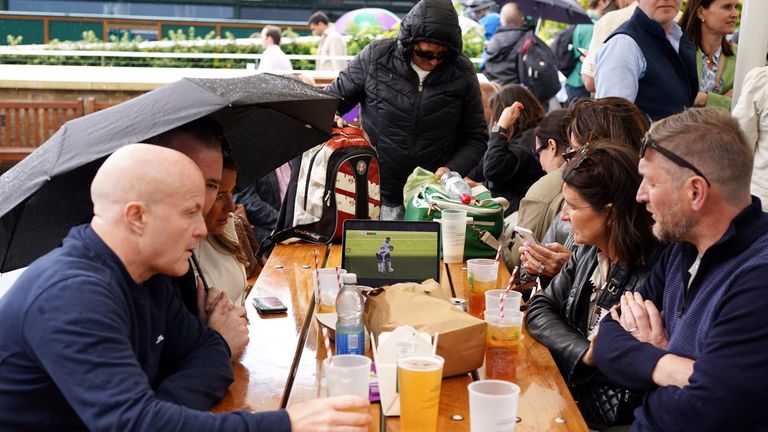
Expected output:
{"points": [[501, 348], [511, 300], [482, 274], [493, 406], [326, 288], [453, 229], [419, 379], [348, 374]]}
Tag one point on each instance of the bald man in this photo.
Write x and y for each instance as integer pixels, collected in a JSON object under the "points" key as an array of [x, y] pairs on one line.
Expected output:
{"points": [[84, 339]]}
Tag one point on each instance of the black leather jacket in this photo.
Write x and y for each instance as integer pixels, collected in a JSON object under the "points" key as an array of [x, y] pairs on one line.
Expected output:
{"points": [[558, 316]]}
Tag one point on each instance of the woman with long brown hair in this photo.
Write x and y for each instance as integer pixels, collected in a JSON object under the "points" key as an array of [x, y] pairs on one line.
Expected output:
{"points": [[707, 22], [508, 165], [615, 251]]}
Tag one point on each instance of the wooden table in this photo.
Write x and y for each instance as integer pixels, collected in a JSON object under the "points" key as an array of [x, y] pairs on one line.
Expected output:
{"points": [[263, 379]]}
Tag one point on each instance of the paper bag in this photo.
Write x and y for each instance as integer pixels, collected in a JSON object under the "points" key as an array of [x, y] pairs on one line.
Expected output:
{"points": [[403, 341], [462, 336]]}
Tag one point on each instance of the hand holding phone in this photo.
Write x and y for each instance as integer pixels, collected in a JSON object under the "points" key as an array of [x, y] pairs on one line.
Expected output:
{"points": [[269, 305], [526, 234]]}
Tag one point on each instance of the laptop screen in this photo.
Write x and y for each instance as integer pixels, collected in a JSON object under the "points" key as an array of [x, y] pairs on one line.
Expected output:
{"points": [[388, 252]]}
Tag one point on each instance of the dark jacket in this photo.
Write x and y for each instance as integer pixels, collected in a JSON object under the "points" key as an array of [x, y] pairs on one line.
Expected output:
{"points": [[262, 205], [83, 346], [719, 321], [502, 52], [558, 316], [510, 168], [441, 124], [670, 83]]}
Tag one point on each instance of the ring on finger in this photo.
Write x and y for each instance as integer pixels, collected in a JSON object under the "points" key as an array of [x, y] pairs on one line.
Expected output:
{"points": [[541, 268], [632, 330]]}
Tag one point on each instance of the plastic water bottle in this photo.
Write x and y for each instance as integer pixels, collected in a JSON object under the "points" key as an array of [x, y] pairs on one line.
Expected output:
{"points": [[455, 186], [350, 332]]}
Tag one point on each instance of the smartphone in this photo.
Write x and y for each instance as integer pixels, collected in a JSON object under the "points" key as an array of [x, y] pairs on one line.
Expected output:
{"points": [[269, 305], [526, 234]]}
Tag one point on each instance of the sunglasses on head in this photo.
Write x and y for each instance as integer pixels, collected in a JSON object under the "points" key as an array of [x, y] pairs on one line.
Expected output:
{"points": [[426, 55], [677, 160], [577, 156]]}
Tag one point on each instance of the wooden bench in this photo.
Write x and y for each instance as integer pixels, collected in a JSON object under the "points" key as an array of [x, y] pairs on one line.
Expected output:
{"points": [[25, 125]]}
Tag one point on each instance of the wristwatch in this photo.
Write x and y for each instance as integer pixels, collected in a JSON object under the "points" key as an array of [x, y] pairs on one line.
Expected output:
{"points": [[496, 129]]}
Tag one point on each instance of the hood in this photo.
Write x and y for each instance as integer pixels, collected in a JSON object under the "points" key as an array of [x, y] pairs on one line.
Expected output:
{"points": [[433, 21]]}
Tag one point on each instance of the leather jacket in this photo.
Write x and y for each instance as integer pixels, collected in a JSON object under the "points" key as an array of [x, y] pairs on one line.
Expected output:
{"points": [[558, 316]]}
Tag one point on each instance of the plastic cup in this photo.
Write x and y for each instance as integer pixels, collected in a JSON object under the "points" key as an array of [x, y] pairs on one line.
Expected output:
{"points": [[511, 301], [482, 274], [326, 288], [419, 378], [347, 374], [493, 406], [502, 350], [453, 227]]}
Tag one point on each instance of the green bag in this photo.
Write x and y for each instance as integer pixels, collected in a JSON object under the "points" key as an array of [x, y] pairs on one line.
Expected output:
{"points": [[485, 216]]}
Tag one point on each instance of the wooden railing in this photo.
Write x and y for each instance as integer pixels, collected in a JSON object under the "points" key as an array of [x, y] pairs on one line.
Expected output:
{"points": [[24, 125]]}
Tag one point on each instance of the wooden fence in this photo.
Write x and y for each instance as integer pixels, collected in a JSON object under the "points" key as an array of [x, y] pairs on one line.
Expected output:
{"points": [[24, 125]]}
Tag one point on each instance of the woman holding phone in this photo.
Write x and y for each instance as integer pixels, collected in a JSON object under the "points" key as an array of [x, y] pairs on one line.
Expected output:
{"points": [[615, 251]]}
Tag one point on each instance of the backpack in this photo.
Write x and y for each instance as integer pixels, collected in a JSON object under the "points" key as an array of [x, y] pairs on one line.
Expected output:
{"points": [[562, 47], [537, 68], [330, 183]]}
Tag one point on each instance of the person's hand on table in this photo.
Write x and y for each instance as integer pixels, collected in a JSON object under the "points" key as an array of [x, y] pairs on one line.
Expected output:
{"points": [[641, 319], [545, 260], [440, 171], [229, 321], [330, 414]]}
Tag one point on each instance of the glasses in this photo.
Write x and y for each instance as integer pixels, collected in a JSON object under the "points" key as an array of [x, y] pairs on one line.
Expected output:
{"points": [[537, 152], [647, 142], [577, 156], [426, 55]]}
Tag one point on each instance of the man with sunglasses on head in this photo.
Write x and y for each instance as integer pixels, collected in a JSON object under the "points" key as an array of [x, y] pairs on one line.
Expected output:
{"points": [[694, 335], [420, 100]]}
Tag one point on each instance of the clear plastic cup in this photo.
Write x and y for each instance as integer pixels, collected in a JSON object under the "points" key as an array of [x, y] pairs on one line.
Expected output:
{"points": [[419, 378], [503, 331], [347, 374], [511, 301], [482, 274], [493, 406], [453, 227], [326, 288]]}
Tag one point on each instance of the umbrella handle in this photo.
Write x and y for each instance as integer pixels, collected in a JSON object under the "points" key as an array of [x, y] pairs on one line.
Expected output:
{"points": [[196, 265]]}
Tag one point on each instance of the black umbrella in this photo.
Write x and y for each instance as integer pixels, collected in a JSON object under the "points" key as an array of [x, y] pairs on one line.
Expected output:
{"points": [[564, 11], [267, 120]]}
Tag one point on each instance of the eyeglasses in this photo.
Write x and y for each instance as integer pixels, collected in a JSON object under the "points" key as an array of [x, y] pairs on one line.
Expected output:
{"points": [[647, 142], [537, 152], [577, 156], [426, 55]]}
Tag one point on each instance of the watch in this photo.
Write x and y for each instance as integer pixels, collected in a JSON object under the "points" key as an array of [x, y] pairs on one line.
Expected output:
{"points": [[496, 129]]}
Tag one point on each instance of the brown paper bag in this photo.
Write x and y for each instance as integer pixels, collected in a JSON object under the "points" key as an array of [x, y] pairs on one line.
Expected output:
{"points": [[462, 336]]}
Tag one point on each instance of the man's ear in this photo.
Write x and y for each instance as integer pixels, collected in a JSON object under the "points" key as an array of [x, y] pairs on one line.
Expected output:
{"points": [[134, 215], [698, 192]]}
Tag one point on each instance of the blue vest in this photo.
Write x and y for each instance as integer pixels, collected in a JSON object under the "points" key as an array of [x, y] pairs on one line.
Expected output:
{"points": [[670, 83]]}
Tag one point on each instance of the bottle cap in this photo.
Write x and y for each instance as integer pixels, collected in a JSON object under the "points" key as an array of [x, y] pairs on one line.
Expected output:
{"points": [[466, 198], [349, 278]]}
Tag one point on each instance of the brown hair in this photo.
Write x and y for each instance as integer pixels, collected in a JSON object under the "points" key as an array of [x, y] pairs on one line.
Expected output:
{"points": [[605, 172], [611, 117], [205, 129], [222, 243], [692, 25], [530, 116], [273, 32], [712, 140], [553, 127]]}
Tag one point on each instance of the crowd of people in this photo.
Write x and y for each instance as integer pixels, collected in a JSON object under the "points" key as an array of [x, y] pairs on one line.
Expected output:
{"points": [[653, 244]]}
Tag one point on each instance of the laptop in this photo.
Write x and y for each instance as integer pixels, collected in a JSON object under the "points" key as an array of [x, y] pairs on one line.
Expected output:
{"points": [[389, 252]]}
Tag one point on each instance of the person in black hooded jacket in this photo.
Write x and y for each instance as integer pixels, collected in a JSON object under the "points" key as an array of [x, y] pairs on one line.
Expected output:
{"points": [[420, 99]]}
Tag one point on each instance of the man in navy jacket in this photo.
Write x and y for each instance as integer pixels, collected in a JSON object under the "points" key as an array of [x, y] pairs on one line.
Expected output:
{"points": [[87, 343], [695, 334]]}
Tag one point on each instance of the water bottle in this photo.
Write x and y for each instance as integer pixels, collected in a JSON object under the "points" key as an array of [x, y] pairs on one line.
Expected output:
{"points": [[456, 187], [350, 333]]}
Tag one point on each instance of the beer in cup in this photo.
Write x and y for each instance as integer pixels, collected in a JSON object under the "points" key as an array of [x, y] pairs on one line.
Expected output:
{"points": [[419, 379], [501, 348]]}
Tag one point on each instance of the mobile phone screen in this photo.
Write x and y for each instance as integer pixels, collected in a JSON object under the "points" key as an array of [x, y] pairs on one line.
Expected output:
{"points": [[269, 305]]}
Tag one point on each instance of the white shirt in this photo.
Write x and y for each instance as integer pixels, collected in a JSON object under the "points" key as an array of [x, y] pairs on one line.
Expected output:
{"points": [[274, 59], [606, 25], [752, 113]]}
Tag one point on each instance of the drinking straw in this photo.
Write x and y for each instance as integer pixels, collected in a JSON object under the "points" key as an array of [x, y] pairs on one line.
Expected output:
{"points": [[338, 276], [504, 294], [498, 253], [327, 342], [434, 346], [317, 277]]}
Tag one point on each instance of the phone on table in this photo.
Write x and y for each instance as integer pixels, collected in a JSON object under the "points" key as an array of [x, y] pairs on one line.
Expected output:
{"points": [[526, 234], [269, 305]]}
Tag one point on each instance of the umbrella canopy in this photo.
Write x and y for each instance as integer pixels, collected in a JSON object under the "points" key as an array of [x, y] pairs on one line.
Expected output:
{"points": [[267, 120], [366, 17], [564, 11]]}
